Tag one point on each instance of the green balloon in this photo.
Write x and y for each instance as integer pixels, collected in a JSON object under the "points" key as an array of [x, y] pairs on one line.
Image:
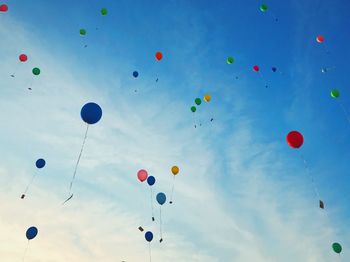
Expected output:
{"points": [[193, 109], [82, 31], [335, 93], [104, 11], [337, 248], [263, 8], [198, 101], [230, 60], [36, 71]]}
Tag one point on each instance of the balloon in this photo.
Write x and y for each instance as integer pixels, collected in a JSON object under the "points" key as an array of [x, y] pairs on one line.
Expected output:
{"points": [[263, 8], [31, 233], [4, 8], [198, 101], [207, 98], [324, 70], [40, 163], [161, 198], [135, 74], [142, 175], [159, 56], [36, 71], [337, 248], [82, 32], [104, 11], [151, 180], [91, 113], [295, 139], [193, 109], [256, 68], [175, 170], [274, 69], [149, 236], [230, 60], [320, 38], [335, 93], [23, 58]]}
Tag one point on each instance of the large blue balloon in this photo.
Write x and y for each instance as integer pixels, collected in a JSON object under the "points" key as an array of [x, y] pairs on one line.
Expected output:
{"points": [[40, 163], [31, 233], [91, 113], [149, 236], [161, 198], [151, 180]]}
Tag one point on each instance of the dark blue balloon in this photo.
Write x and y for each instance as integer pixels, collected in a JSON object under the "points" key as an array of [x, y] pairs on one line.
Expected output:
{"points": [[151, 180], [161, 198], [135, 74], [31, 233], [40, 163], [274, 69], [91, 113], [149, 236]]}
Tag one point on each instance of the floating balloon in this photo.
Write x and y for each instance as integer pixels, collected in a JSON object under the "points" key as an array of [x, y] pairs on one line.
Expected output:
{"points": [[274, 69], [91, 113], [159, 56], [104, 11], [198, 101], [40, 163], [320, 38], [151, 180], [230, 60], [36, 71], [295, 139], [142, 175], [31, 233], [82, 32], [256, 68], [4, 8], [161, 198], [263, 8], [135, 74], [335, 93], [207, 98], [193, 109], [337, 248], [324, 70], [23, 58]]}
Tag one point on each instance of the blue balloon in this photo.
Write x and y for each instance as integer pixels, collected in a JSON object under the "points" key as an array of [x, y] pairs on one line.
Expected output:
{"points": [[149, 236], [161, 198], [151, 180], [274, 69], [40, 163], [31, 233], [91, 113], [135, 74]]}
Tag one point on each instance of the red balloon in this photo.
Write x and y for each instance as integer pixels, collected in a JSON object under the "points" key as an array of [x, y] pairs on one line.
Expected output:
{"points": [[23, 58], [320, 38], [295, 139], [256, 68], [3, 8], [142, 175], [159, 56]]}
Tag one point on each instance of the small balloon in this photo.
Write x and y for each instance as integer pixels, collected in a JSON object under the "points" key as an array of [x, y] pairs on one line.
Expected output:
{"points": [[40, 163], [175, 170], [91, 113], [82, 32], [193, 109], [135, 74], [161, 198], [295, 139], [149, 236], [337, 248], [23, 58], [159, 56], [36, 71], [263, 8], [230, 60], [104, 11], [324, 70], [142, 175], [274, 69], [335, 93], [4, 8], [31, 233], [256, 68], [198, 101], [151, 180], [320, 38], [207, 98]]}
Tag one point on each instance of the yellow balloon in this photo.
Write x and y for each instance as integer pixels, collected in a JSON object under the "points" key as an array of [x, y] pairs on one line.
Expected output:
{"points": [[175, 170], [207, 98]]}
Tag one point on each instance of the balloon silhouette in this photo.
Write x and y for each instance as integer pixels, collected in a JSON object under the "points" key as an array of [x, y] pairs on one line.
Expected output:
{"points": [[337, 248], [4, 8], [256, 68], [335, 93], [91, 113], [23, 58], [207, 98], [104, 11], [193, 109], [230, 60], [161, 198], [263, 8], [142, 175], [151, 180], [159, 56], [149, 236], [31, 233], [40, 163], [320, 39], [36, 71], [82, 32], [198, 101], [135, 74], [295, 139], [174, 170]]}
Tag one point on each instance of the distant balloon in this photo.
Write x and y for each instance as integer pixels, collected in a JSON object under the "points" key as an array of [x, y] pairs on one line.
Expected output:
{"points": [[274, 69], [193, 109], [82, 32], [207, 98], [31, 233], [159, 56], [142, 175], [104, 11], [135, 74], [295, 139], [40, 163], [4, 8], [161, 198], [320, 38], [198, 101], [91, 113], [335, 93], [230, 60], [151, 180], [324, 70], [256, 68], [263, 8], [36, 71], [23, 58], [175, 170], [337, 248], [149, 236]]}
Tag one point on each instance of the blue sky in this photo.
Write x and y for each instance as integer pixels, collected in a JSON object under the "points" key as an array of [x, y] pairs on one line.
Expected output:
{"points": [[242, 194]]}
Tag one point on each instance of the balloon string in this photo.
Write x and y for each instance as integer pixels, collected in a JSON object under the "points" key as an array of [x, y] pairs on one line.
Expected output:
{"points": [[311, 177], [29, 184], [15, 70], [194, 120], [263, 79], [25, 251], [152, 203], [76, 165], [172, 191], [345, 112], [150, 252], [160, 223]]}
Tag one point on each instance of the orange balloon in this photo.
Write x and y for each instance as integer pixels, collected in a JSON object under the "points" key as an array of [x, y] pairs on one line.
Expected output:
{"points": [[175, 170], [207, 98]]}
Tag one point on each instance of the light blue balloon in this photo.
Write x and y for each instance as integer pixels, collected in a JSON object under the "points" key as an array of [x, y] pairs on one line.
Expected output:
{"points": [[161, 198]]}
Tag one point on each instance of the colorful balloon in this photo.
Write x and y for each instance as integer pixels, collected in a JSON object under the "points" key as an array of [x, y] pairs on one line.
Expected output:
{"points": [[82, 32], [23, 58], [335, 93], [36, 71], [175, 170], [198, 101], [91, 113], [320, 38], [151, 180], [104, 11], [161, 198], [207, 98], [263, 8], [4, 8], [295, 139], [256, 68], [149, 236], [193, 109], [159, 56], [31, 233], [40, 163], [230, 60], [135, 74], [142, 175], [337, 248]]}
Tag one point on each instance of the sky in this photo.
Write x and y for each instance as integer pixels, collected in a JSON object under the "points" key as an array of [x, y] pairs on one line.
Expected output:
{"points": [[242, 194]]}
